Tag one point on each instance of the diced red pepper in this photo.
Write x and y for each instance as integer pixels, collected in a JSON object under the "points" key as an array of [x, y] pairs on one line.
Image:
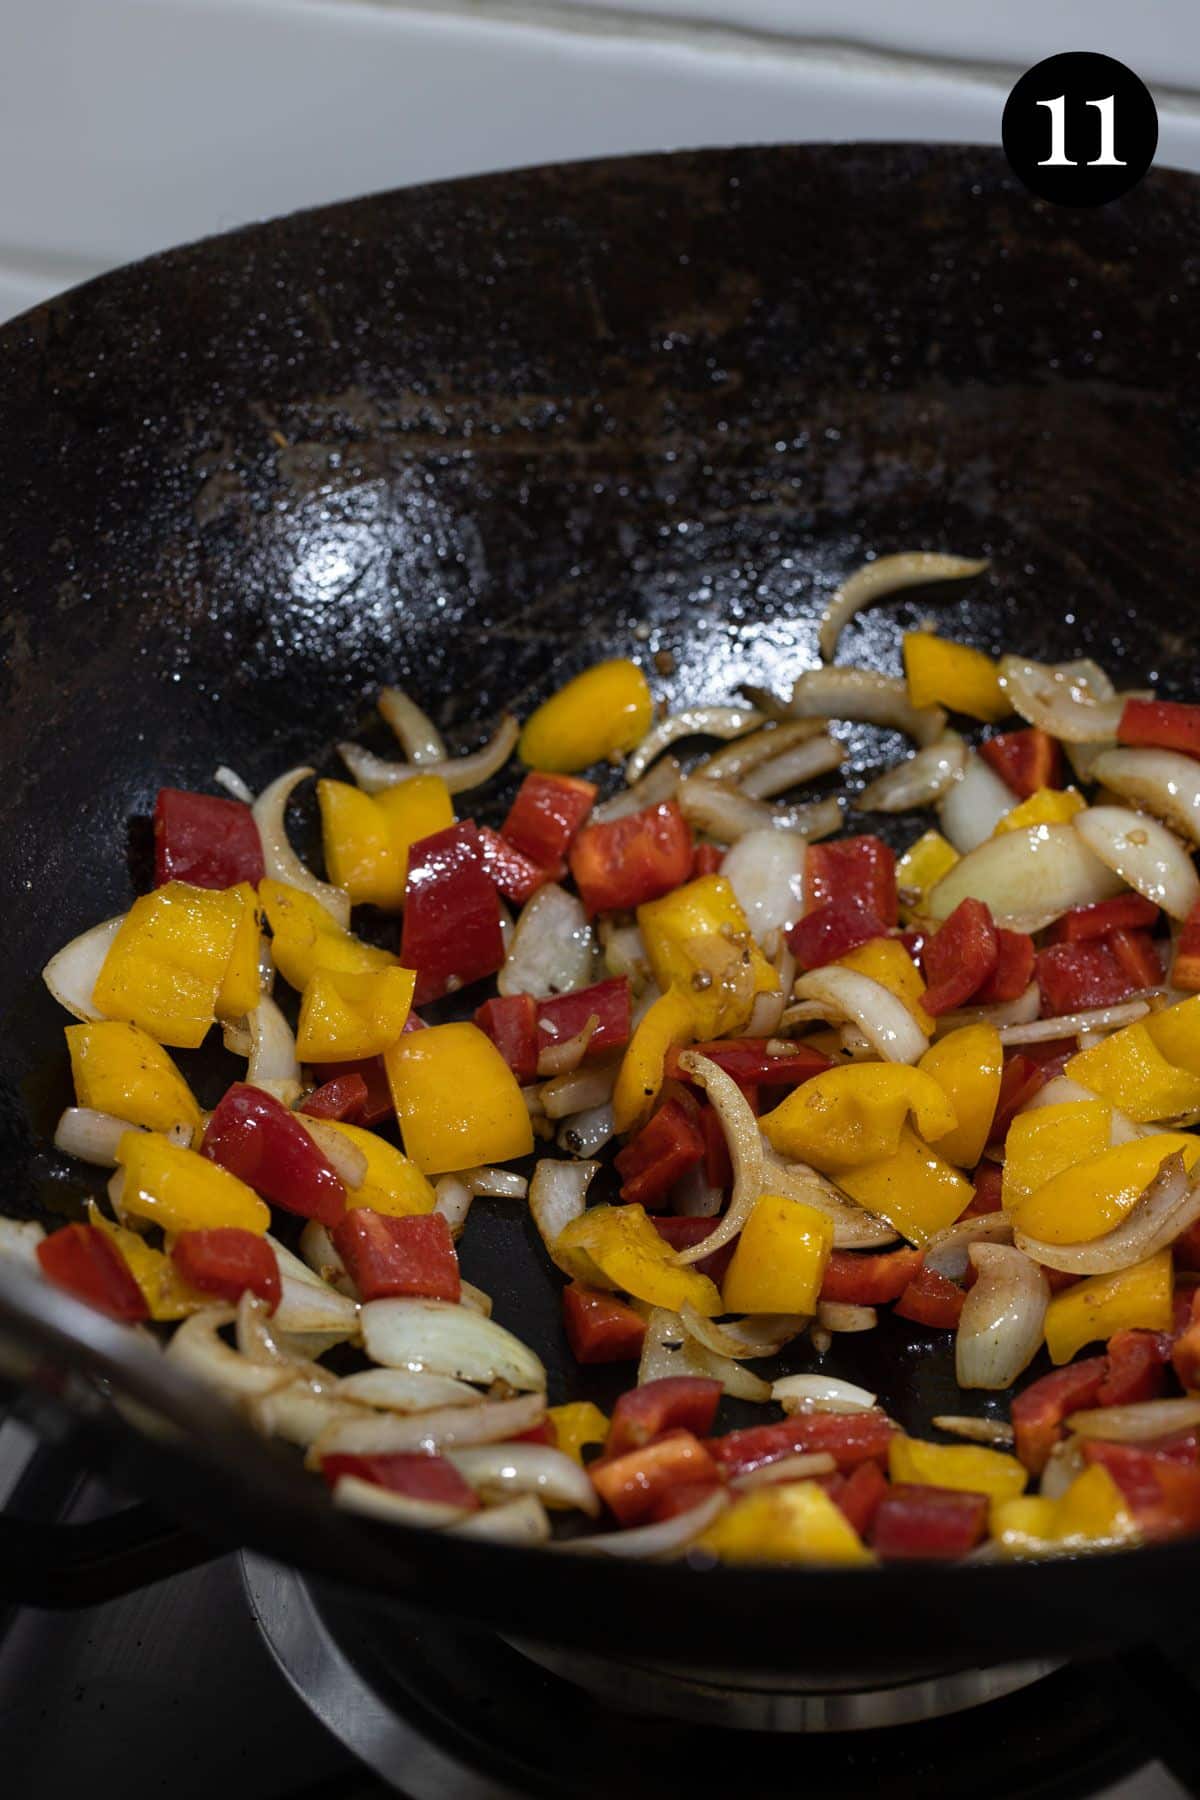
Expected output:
{"points": [[1128, 912], [511, 1021], [451, 934], [850, 1438], [1020, 1079], [1184, 1311], [228, 1261], [681, 1233], [683, 1498], [1015, 958], [394, 1258], [1162, 725], [1138, 957], [855, 868], [664, 1149], [257, 1139], [624, 862], [833, 930], [1024, 760], [674, 1403], [960, 957], [545, 1433], [343, 1098], [84, 1261], [406, 1472], [634, 1483], [718, 1169], [546, 814], [860, 1495], [1136, 1367], [562, 1017], [370, 1070], [747, 1061], [599, 1327], [931, 1299], [1076, 977], [857, 1280], [1038, 1413], [915, 1521], [1056, 1279], [989, 1180], [513, 872], [1186, 1248], [913, 941], [1185, 971], [205, 840], [1185, 1353], [1160, 1486], [707, 860]]}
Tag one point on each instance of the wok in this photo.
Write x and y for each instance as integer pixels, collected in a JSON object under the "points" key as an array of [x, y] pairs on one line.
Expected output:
{"points": [[472, 437]]}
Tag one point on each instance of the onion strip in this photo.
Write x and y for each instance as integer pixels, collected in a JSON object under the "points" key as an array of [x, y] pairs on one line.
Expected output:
{"points": [[821, 1393], [740, 758], [694, 721], [728, 814], [884, 576], [1161, 1213], [1001, 1326], [448, 1340], [661, 783], [920, 781], [414, 729], [389, 1434], [72, 971], [460, 773], [880, 1015], [745, 1152], [864, 695], [666, 1537], [1143, 853], [1142, 1419], [557, 1196], [804, 762], [280, 862]]}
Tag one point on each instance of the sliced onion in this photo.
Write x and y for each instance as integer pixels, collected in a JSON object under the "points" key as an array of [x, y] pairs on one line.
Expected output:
{"points": [[1062, 1091], [762, 1334], [196, 1347], [670, 1349], [444, 1339], [853, 1228], [388, 1434], [803, 762], [584, 1088], [745, 1151], [766, 1015], [864, 695], [765, 869], [586, 1133], [374, 773], [231, 781], [947, 1252], [1063, 1465], [1100, 1020], [974, 804], [551, 951], [19, 1239], [475, 1298], [1002, 1323], [800, 1467], [839, 1316], [977, 1431], [375, 1502], [1164, 782], [347, 1160], [402, 1391], [317, 1249], [259, 1343], [523, 1521], [888, 575], [273, 1063], [91, 1136], [1161, 1213], [453, 1202], [1143, 853], [299, 1412], [821, 1393], [1029, 878], [1021, 1011], [280, 861], [1143, 1419], [557, 1195], [71, 974], [500, 1471], [418, 736], [728, 814], [880, 1015], [1060, 699], [924, 778], [738, 759], [624, 952], [308, 1305], [667, 1537], [564, 1057], [652, 790], [496, 1183], [695, 721]]}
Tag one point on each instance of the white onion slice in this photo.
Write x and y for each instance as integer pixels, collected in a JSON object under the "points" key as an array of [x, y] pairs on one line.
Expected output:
{"points": [[453, 1202], [402, 1391], [299, 1412], [231, 781], [821, 1393], [1062, 1091], [258, 1342], [475, 1298], [387, 1434], [803, 762], [977, 1431], [888, 575], [766, 1015], [585, 1133], [447, 1340], [558, 1195], [1003, 1318], [308, 1306], [765, 869], [1063, 1465], [523, 1521], [565, 1056], [853, 1227], [728, 814], [695, 721], [551, 951], [1099, 1021], [280, 861], [864, 695], [1021, 1011], [415, 731], [497, 1184], [800, 1467], [317, 1249], [500, 1471], [91, 1136], [71, 973], [1143, 853], [644, 1543], [924, 778], [974, 804], [273, 1062], [196, 1347], [738, 759], [583, 1088], [1060, 699], [1029, 878], [375, 1502], [347, 1160], [625, 952], [1143, 1419], [880, 1015], [19, 1239], [374, 773], [947, 1252], [839, 1316], [652, 790], [745, 1152], [761, 1334], [1164, 782], [670, 1349], [1165, 1209]]}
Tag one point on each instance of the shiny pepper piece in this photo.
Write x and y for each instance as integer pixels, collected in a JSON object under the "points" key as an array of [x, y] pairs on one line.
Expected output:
{"points": [[183, 957], [790, 1522], [1092, 1196], [942, 673], [166, 1293], [780, 1259], [922, 867], [1047, 806], [886, 961], [666, 1025], [967, 1065], [119, 1069], [1136, 1298], [970, 1468], [604, 712], [392, 1184], [618, 1247], [306, 938], [1151, 1069], [1091, 1515], [457, 1099], [914, 1189], [367, 837], [577, 1425], [344, 1018], [182, 1190], [849, 1117], [698, 941]]}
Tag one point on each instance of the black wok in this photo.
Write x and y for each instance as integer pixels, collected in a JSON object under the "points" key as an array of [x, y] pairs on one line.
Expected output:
{"points": [[472, 437]]}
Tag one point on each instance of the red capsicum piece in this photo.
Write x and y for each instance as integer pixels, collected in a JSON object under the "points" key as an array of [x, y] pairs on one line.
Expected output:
{"points": [[546, 814], [676, 1402], [205, 840], [931, 1299], [1160, 1486], [687, 1495], [343, 1098], [1020, 1080], [860, 1494], [850, 1438], [451, 933], [599, 1327], [861, 869], [833, 930], [1015, 958], [747, 1061], [1185, 1352], [562, 1017], [960, 957], [1161, 725], [1128, 912], [988, 1197], [1136, 1367], [682, 1233], [228, 1261], [857, 1280], [1185, 971], [666, 1147], [636, 1483], [706, 860], [1076, 977], [1038, 1413], [915, 1521], [513, 872], [620, 864], [1138, 957], [407, 1472], [511, 1021], [260, 1142], [1024, 760], [394, 1258], [84, 1261], [370, 1071]]}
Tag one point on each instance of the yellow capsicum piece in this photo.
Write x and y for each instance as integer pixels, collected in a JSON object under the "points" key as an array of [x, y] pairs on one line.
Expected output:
{"points": [[604, 712], [780, 1260], [970, 1468], [922, 867], [367, 837], [1048, 806], [392, 1184], [618, 1247], [698, 941], [886, 961], [1176, 1033], [344, 1018], [182, 957], [577, 1425], [1140, 1297], [1129, 1069], [306, 938], [943, 673], [967, 1065], [1091, 1515], [846, 1118], [1044, 1142], [914, 1189], [789, 1522], [182, 1190], [666, 1025], [117, 1068], [1089, 1198], [166, 1293], [457, 1099]]}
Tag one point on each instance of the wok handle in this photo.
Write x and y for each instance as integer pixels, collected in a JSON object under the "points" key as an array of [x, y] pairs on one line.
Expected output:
{"points": [[66, 1566]]}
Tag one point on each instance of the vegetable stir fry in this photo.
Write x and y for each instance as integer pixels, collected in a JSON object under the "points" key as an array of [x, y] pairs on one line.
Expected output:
{"points": [[772, 1079]]}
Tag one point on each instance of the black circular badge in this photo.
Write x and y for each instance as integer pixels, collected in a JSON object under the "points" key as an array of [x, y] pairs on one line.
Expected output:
{"points": [[1080, 129]]}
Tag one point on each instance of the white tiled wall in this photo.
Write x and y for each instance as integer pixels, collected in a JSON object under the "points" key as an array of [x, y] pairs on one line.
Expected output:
{"points": [[127, 125]]}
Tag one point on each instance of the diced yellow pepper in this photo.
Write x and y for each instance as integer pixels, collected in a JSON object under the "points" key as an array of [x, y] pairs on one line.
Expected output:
{"points": [[179, 960], [1129, 1069], [967, 1065], [307, 938], [1091, 1515], [415, 809], [943, 673], [914, 1189], [1091, 1197], [1139, 1297], [886, 961], [1176, 1032], [1025, 1527], [392, 1183], [789, 1522], [845, 1118], [698, 941], [457, 1099], [1048, 806], [664, 1026], [367, 837], [1043, 1142], [970, 1468], [604, 712], [922, 867], [118, 1069], [344, 1018], [780, 1260], [576, 1425], [618, 1247], [166, 1293], [182, 1190]]}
